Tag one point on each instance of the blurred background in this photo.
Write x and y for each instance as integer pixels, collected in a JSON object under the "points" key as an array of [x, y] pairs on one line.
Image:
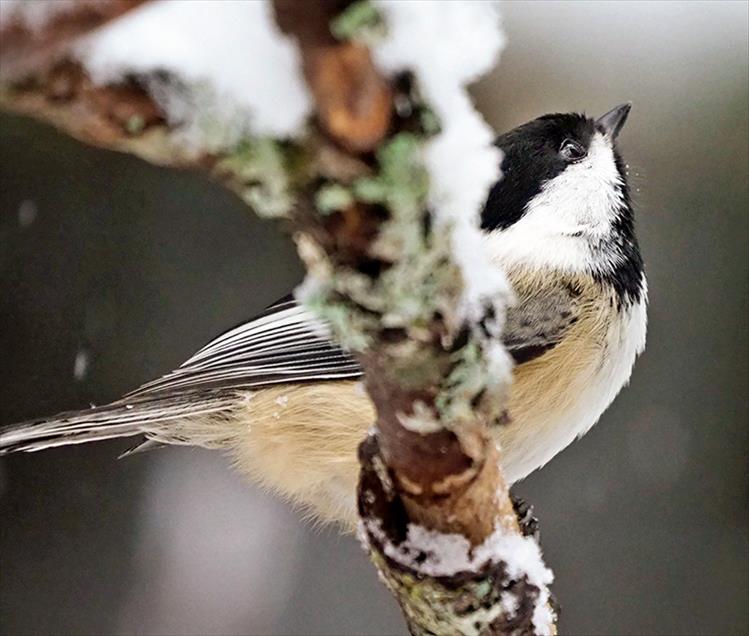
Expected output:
{"points": [[113, 272]]}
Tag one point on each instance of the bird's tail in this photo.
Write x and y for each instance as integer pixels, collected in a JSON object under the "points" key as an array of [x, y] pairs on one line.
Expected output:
{"points": [[182, 418]]}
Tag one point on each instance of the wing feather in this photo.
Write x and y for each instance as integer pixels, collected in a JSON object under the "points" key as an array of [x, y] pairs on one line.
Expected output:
{"points": [[286, 343], [539, 321]]}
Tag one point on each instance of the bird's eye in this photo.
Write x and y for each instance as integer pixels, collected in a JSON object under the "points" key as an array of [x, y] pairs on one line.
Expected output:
{"points": [[571, 150]]}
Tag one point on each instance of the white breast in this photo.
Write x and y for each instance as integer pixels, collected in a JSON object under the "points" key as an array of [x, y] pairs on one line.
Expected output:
{"points": [[528, 447]]}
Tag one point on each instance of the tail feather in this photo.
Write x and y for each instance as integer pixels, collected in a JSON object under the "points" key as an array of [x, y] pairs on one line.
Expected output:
{"points": [[141, 447], [155, 416]]}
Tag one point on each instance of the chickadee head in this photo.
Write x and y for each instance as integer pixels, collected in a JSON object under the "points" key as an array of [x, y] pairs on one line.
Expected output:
{"points": [[563, 200]]}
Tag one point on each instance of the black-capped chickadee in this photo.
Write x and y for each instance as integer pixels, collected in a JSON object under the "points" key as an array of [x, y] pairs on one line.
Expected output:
{"points": [[286, 403]]}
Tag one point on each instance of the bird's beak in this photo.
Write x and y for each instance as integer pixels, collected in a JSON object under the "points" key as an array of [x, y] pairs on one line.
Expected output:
{"points": [[613, 121]]}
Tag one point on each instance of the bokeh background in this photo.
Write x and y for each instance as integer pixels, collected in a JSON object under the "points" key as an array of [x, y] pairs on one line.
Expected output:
{"points": [[113, 272]]}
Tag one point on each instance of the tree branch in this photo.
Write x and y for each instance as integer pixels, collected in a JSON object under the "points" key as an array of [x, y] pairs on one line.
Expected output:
{"points": [[33, 35]]}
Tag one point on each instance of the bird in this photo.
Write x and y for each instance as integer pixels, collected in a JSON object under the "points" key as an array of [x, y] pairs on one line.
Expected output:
{"points": [[286, 402]]}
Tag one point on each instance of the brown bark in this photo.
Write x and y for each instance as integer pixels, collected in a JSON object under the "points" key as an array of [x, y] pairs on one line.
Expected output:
{"points": [[25, 49], [354, 103]]}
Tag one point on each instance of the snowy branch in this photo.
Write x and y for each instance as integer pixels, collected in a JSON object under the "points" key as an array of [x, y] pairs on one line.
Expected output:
{"points": [[352, 122]]}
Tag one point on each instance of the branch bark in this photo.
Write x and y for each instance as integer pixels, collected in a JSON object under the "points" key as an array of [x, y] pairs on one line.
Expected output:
{"points": [[436, 515], [32, 37]]}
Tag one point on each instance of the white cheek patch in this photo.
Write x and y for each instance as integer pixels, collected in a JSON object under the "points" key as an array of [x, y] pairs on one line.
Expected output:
{"points": [[573, 211]]}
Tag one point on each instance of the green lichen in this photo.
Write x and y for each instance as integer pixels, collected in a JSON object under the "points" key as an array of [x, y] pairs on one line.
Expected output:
{"points": [[433, 609], [468, 378], [260, 166], [360, 21], [135, 124], [418, 288], [406, 293], [402, 183], [403, 295], [429, 121], [352, 329], [333, 197]]}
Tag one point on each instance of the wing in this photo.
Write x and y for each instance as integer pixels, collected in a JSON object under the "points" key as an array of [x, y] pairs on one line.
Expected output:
{"points": [[286, 343], [540, 320]]}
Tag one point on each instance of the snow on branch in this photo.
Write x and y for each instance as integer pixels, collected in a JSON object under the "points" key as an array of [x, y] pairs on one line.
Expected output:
{"points": [[352, 122]]}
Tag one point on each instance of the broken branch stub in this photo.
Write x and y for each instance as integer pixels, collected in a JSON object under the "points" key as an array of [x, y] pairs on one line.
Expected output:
{"points": [[353, 101]]}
